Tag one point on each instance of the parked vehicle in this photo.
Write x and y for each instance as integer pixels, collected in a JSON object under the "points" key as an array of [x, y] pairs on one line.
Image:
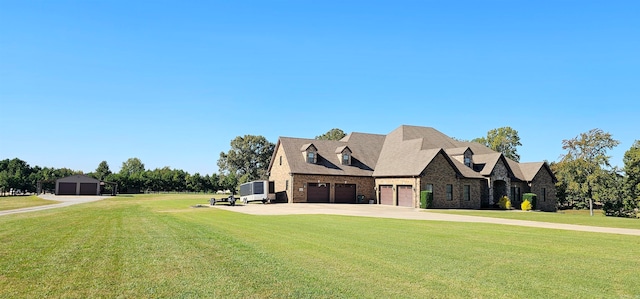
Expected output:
{"points": [[263, 191], [231, 200]]}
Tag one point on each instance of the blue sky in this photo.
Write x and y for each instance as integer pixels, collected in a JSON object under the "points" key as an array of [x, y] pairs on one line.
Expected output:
{"points": [[173, 82]]}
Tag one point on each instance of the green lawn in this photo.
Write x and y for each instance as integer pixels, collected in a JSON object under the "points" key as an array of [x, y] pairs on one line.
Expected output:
{"points": [[158, 246], [581, 217], [18, 202]]}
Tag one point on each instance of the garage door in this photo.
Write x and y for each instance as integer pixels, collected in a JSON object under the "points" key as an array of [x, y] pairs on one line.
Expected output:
{"points": [[345, 193], [386, 195], [317, 193], [66, 188], [88, 188], [405, 196]]}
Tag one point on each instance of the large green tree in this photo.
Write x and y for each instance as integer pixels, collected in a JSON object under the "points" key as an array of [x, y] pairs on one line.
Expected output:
{"points": [[631, 161], [628, 206], [504, 140], [248, 158], [333, 134], [585, 170], [131, 176], [102, 171]]}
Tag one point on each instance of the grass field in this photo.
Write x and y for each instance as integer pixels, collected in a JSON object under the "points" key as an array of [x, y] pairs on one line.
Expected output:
{"points": [[159, 246], [18, 202], [581, 217]]}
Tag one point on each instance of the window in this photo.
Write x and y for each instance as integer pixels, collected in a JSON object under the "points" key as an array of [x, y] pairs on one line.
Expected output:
{"points": [[449, 192], [311, 157], [515, 193], [429, 188], [467, 192], [467, 161], [544, 194], [345, 159], [280, 160], [286, 185]]}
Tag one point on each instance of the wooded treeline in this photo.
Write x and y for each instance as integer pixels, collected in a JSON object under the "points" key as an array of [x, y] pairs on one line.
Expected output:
{"points": [[18, 176]]}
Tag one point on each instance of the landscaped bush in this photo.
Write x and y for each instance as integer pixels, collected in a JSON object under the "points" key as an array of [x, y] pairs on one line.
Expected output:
{"points": [[526, 206], [505, 203]]}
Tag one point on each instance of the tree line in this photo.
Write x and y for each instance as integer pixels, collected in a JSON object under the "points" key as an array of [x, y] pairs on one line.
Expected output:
{"points": [[18, 176]]}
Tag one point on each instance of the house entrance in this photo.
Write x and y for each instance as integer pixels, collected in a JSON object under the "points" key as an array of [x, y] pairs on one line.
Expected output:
{"points": [[499, 190]]}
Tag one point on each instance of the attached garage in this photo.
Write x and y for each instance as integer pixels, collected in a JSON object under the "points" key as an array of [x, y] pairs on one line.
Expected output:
{"points": [[317, 193], [405, 196], [345, 193], [386, 194], [77, 185]]}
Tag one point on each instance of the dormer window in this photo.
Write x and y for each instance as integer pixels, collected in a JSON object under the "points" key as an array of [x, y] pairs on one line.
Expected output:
{"points": [[346, 159], [310, 153], [344, 154], [311, 157], [467, 161]]}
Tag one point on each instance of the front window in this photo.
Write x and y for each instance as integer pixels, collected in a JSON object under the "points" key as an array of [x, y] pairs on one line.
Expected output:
{"points": [[345, 159], [449, 192], [467, 192]]}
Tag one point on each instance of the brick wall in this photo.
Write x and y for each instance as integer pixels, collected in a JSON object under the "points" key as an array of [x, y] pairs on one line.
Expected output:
{"points": [[543, 179], [395, 182], [440, 173], [364, 185], [280, 174]]}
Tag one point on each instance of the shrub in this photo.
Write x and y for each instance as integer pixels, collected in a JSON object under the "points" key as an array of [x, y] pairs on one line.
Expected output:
{"points": [[526, 206], [504, 203]]}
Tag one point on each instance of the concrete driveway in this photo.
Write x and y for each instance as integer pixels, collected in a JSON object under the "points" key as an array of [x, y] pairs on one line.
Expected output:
{"points": [[405, 213], [65, 201]]}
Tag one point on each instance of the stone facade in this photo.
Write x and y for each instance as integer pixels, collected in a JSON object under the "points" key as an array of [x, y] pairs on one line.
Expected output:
{"points": [[439, 173], [544, 181], [499, 174]]}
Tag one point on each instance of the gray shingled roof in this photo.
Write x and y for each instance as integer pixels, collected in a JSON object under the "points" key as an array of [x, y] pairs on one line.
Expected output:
{"points": [[529, 170], [365, 149], [406, 151]]}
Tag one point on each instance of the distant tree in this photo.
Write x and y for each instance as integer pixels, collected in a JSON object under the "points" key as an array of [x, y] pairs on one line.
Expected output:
{"points": [[504, 140], [131, 176], [229, 182], [248, 157], [131, 166], [631, 161], [102, 171], [213, 183], [333, 134], [585, 168], [629, 202]]}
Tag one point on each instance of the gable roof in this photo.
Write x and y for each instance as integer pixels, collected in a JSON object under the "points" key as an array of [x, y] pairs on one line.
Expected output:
{"points": [[531, 169], [365, 149], [406, 151]]}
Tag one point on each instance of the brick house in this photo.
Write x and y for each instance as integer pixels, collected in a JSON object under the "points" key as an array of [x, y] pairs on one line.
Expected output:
{"points": [[392, 169]]}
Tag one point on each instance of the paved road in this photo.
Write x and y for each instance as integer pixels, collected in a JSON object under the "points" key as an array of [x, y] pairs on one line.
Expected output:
{"points": [[65, 201], [406, 213]]}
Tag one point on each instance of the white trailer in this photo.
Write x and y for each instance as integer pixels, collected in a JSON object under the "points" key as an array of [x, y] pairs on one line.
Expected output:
{"points": [[263, 191]]}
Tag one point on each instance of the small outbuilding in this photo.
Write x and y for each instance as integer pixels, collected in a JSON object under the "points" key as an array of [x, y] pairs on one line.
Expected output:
{"points": [[77, 185]]}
